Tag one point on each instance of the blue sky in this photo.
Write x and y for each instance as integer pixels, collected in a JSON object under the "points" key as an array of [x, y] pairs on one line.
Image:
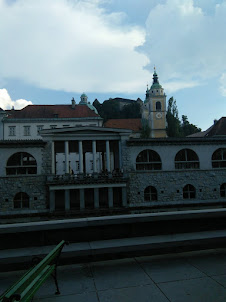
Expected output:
{"points": [[52, 51]]}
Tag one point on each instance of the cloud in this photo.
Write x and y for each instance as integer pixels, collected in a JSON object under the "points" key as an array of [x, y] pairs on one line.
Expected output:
{"points": [[7, 103], [186, 44], [72, 46]]}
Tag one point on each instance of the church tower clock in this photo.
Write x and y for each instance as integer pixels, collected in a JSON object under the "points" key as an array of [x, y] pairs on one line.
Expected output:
{"points": [[154, 109]]}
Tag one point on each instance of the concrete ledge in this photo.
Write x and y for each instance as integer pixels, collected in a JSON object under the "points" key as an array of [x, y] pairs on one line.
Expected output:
{"points": [[96, 250], [110, 220]]}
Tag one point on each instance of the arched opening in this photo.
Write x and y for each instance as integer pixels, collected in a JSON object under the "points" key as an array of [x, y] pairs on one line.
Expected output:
{"points": [[150, 194], [219, 158], [189, 192], [148, 160], [21, 200], [158, 106], [21, 163], [186, 159]]}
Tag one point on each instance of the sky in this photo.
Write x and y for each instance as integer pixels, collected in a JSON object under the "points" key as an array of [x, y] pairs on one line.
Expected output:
{"points": [[53, 50]]}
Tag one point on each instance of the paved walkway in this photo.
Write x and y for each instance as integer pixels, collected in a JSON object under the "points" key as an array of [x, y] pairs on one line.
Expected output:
{"points": [[187, 277]]}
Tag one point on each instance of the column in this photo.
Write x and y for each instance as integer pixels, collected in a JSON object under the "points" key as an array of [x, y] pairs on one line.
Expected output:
{"points": [[124, 197], [94, 147], [120, 154], [80, 157], [96, 198], [108, 155], [52, 201], [82, 199], [110, 197], [67, 200], [66, 150], [53, 157]]}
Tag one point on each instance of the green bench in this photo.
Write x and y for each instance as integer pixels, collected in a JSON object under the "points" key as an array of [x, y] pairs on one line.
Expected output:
{"points": [[25, 288]]}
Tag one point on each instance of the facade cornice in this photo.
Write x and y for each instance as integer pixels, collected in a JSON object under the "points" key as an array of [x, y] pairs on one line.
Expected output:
{"points": [[21, 143], [176, 141], [35, 120]]}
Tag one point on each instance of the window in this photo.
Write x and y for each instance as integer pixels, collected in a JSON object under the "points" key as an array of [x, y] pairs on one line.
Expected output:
{"points": [[39, 128], [53, 126], [21, 200], [186, 159], [189, 192], [150, 194], [65, 126], [27, 130], [21, 163], [223, 190], [158, 106], [77, 165], [219, 158], [12, 130], [148, 160]]}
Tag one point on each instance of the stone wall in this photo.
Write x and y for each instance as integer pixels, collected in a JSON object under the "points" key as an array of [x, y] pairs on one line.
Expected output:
{"points": [[170, 185], [34, 186]]}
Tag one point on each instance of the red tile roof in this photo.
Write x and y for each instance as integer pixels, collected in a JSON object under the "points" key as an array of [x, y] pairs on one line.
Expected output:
{"points": [[132, 124], [52, 111]]}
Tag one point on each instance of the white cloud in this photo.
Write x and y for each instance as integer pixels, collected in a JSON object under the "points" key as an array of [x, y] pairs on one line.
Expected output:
{"points": [[70, 45], [186, 45], [7, 103]]}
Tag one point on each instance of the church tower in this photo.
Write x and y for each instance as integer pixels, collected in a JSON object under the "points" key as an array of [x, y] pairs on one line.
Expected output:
{"points": [[154, 109]]}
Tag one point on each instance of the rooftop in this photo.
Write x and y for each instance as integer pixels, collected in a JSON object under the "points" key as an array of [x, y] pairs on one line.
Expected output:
{"points": [[132, 124], [51, 111]]}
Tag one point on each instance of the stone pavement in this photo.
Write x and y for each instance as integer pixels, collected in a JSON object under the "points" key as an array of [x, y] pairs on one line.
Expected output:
{"points": [[186, 277]]}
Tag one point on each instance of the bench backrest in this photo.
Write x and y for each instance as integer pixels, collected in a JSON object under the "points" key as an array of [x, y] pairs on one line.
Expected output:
{"points": [[48, 263]]}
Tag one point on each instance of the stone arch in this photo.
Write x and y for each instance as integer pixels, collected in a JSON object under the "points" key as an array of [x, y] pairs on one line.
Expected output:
{"points": [[150, 194], [219, 158], [189, 192], [21, 200], [21, 163], [186, 159], [148, 160]]}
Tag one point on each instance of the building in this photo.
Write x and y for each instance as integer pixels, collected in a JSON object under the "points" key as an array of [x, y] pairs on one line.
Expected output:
{"points": [[80, 167], [154, 109], [27, 123]]}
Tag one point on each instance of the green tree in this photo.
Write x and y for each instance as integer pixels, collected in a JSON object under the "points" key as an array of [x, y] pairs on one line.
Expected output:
{"points": [[145, 131], [177, 128], [188, 128], [131, 111], [174, 125], [97, 105]]}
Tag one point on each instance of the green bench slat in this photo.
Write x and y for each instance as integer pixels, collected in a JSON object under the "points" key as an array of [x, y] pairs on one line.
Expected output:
{"points": [[37, 274]]}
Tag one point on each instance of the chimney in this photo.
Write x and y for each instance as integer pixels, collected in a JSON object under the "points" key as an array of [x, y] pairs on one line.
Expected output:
{"points": [[215, 121], [73, 103]]}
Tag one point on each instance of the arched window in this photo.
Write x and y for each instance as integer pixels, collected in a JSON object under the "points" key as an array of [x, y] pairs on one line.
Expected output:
{"points": [[189, 192], [21, 200], [158, 106], [219, 158], [148, 160], [21, 163], [150, 194], [223, 190], [186, 159]]}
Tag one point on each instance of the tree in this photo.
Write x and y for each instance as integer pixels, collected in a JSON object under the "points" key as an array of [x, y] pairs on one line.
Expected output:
{"points": [[97, 105], [188, 128], [177, 128], [146, 130], [131, 111], [174, 125]]}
